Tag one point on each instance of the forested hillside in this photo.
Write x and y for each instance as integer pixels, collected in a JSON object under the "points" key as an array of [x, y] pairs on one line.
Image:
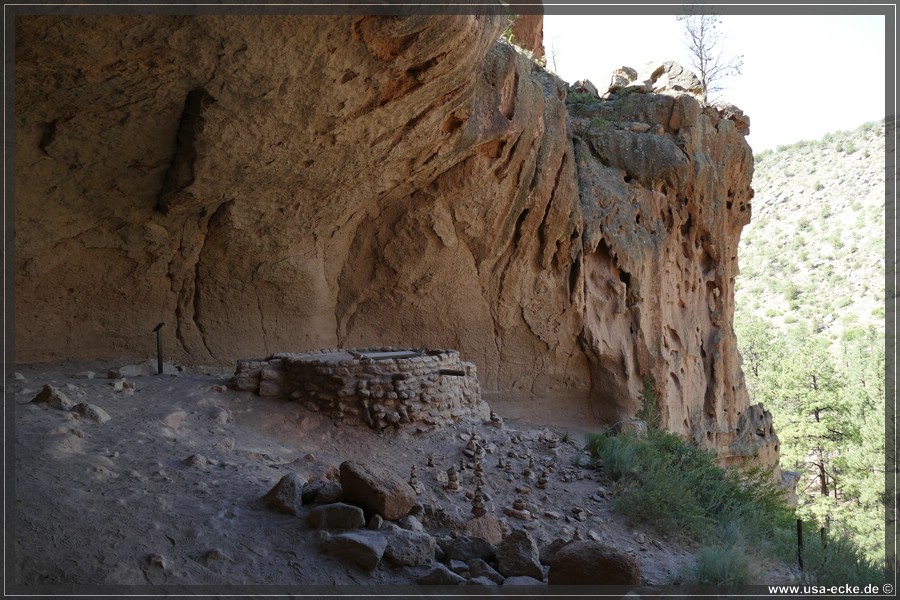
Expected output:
{"points": [[810, 309]]}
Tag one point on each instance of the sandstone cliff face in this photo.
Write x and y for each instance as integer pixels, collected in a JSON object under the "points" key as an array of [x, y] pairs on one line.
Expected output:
{"points": [[266, 184]]}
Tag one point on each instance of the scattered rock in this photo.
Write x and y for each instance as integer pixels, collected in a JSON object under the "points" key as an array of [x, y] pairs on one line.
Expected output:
{"points": [[409, 548], [92, 412], [329, 493], [522, 580], [593, 563], [286, 496], [54, 397], [83, 375], [487, 528], [214, 555], [480, 569], [336, 516], [518, 554], [411, 523], [196, 460], [157, 561], [440, 575], [19, 377], [362, 548], [377, 490], [465, 548], [548, 551], [482, 581], [311, 491], [459, 567], [375, 522]]}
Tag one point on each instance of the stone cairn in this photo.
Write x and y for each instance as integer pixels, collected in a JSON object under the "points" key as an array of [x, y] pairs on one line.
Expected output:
{"points": [[378, 387], [452, 480]]}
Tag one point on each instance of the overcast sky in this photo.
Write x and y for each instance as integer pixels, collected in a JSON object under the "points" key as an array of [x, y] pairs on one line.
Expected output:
{"points": [[803, 76]]}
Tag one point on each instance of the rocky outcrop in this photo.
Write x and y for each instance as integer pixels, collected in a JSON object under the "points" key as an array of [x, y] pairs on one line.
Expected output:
{"points": [[286, 183]]}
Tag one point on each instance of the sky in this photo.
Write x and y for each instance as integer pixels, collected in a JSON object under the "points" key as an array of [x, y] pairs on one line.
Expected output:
{"points": [[803, 76]]}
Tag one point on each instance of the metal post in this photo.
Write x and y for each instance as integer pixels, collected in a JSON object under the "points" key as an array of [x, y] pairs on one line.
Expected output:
{"points": [[159, 361], [800, 543]]}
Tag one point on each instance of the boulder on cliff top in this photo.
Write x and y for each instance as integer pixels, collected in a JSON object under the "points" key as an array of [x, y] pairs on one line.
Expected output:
{"points": [[377, 490]]}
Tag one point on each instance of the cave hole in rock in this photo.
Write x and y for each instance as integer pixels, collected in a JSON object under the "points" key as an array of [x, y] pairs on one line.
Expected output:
{"points": [[517, 233], [574, 273], [452, 124], [686, 227]]}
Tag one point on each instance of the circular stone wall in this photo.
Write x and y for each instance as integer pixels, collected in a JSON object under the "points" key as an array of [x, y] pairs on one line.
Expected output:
{"points": [[380, 387]]}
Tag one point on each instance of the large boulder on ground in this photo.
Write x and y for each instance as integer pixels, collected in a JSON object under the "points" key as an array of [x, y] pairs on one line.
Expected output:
{"points": [[593, 563], [465, 548], [408, 548], [487, 528], [336, 516], [518, 554], [377, 490], [362, 548], [286, 496]]}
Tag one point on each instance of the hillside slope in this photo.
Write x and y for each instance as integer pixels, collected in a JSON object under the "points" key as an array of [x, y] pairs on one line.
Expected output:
{"points": [[815, 246]]}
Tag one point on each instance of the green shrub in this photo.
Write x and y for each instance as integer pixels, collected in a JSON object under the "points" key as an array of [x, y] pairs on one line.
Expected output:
{"points": [[675, 485], [722, 565], [649, 412], [582, 98], [836, 560]]}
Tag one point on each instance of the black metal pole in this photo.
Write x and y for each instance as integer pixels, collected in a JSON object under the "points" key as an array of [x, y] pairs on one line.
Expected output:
{"points": [[800, 543], [159, 361]]}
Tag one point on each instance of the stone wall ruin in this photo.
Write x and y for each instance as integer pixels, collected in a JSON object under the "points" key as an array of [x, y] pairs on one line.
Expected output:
{"points": [[380, 387]]}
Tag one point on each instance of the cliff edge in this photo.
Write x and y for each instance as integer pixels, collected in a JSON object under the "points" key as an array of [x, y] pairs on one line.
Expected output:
{"points": [[285, 183]]}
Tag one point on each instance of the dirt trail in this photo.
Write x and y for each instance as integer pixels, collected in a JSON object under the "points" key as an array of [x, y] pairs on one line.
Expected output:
{"points": [[169, 490]]}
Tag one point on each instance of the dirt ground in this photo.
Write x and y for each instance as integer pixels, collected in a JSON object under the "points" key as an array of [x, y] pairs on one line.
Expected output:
{"points": [[169, 491]]}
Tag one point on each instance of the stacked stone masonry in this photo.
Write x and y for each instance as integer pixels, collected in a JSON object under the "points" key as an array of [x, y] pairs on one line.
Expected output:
{"points": [[380, 387]]}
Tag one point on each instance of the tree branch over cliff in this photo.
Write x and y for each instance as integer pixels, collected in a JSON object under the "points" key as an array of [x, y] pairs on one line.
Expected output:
{"points": [[704, 42]]}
